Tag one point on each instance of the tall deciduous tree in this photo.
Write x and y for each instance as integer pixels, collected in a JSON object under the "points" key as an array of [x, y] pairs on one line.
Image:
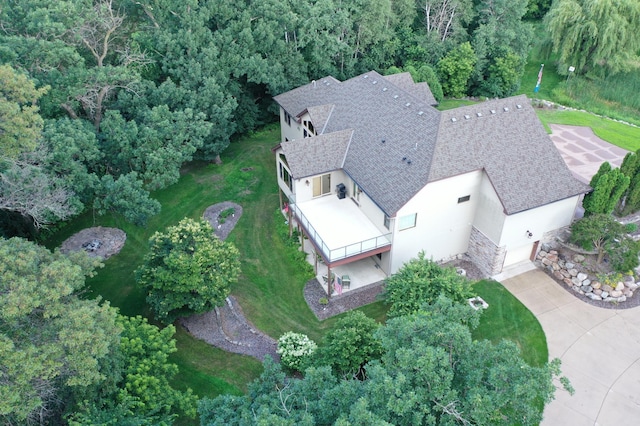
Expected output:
{"points": [[20, 123], [349, 346], [53, 344], [599, 36], [140, 392], [187, 270], [501, 42], [455, 70]]}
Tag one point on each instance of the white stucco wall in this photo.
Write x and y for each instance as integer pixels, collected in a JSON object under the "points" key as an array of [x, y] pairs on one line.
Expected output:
{"points": [[538, 221], [442, 225], [369, 208], [289, 132], [490, 215]]}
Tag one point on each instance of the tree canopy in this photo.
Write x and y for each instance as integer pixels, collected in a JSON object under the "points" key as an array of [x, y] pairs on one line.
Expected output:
{"points": [[430, 371], [130, 91], [53, 343], [187, 270], [595, 36]]}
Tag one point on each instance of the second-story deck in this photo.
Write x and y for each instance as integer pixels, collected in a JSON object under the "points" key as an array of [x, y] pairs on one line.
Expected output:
{"points": [[338, 228]]}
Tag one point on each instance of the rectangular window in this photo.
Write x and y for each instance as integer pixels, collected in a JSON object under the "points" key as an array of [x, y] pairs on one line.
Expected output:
{"points": [[321, 185], [406, 222], [356, 192], [287, 118], [387, 221], [464, 199]]}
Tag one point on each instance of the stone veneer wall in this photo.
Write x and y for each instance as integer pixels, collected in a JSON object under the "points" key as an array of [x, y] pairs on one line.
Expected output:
{"points": [[552, 237], [484, 253]]}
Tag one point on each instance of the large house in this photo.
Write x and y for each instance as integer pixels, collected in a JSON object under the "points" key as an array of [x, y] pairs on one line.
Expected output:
{"points": [[370, 169]]}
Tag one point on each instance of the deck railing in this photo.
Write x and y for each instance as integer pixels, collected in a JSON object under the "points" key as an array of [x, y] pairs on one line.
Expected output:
{"points": [[339, 253]]}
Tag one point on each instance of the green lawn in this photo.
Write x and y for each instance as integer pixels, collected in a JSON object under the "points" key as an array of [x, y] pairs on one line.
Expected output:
{"points": [[622, 135], [506, 317], [270, 288]]}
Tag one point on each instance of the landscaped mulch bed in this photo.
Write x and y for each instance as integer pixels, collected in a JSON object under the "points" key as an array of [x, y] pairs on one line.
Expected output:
{"points": [[347, 301]]}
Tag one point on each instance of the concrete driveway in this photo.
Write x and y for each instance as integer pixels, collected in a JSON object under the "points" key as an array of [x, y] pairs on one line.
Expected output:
{"points": [[583, 151], [599, 349]]}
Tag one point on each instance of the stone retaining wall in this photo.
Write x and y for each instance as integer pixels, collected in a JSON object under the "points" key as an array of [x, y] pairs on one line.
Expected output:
{"points": [[572, 274]]}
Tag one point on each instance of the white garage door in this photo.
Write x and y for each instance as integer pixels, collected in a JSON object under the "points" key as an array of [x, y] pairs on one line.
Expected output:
{"points": [[518, 254]]}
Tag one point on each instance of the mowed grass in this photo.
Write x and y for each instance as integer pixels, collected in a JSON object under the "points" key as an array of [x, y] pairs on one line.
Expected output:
{"points": [[270, 287], [616, 133], [508, 318]]}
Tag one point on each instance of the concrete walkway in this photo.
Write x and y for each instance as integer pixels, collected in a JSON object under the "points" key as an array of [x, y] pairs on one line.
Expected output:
{"points": [[583, 151], [599, 349]]}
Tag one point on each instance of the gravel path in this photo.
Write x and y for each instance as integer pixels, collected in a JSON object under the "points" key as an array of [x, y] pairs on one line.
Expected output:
{"points": [[347, 301], [227, 328]]}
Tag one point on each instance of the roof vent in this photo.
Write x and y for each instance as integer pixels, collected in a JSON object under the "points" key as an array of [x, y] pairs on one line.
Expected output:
{"points": [[479, 114], [519, 106], [407, 104], [409, 162], [466, 117], [383, 141], [404, 158], [375, 82], [395, 96], [506, 109], [366, 76], [493, 111], [453, 119], [384, 89], [420, 112]]}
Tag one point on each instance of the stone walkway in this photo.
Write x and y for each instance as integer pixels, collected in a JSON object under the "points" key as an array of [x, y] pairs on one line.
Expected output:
{"points": [[583, 151]]}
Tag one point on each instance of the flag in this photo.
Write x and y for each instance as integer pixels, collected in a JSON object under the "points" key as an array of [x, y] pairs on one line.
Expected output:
{"points": [[539, 79]]}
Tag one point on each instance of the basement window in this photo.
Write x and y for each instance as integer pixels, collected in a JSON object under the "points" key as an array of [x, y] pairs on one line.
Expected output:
{"points": [[464, 199]]}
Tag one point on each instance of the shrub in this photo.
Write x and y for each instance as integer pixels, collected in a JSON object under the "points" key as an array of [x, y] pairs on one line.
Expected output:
{"points": [[421, 281], [294, 349]]}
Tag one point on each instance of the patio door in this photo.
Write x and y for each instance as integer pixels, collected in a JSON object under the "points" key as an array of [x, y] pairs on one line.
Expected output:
{"points": [[321, 185]]}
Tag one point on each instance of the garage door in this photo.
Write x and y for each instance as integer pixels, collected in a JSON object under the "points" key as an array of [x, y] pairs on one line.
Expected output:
{"points": [[518, 254]]}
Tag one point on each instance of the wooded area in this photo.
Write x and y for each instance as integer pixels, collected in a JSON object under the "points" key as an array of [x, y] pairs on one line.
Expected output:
{"points": [[103, 101], [110, 97]]}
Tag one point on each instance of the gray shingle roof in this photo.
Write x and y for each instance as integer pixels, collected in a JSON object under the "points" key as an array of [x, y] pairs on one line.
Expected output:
{"points": [[420, 90], [505, 138], [376, 110], [393, 143], [321, 154]]}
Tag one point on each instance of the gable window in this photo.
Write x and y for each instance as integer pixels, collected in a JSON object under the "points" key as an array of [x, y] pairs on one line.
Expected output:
{"points": [[464, 199], [387, 221], [408, 221], [287, 118], [308, 129], [321, 185]]}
